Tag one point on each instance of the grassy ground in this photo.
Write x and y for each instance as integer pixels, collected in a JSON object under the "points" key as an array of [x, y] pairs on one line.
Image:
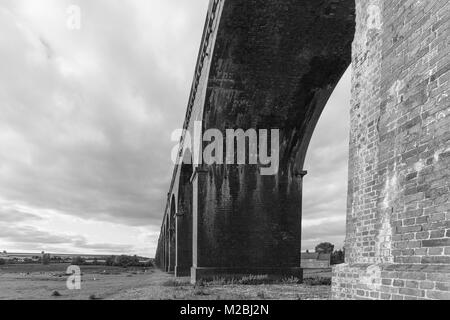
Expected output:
{"points": [[99, 282]]}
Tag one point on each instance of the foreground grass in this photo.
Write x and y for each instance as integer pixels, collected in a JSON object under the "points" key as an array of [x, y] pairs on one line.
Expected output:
{"points": [[99, 282]]}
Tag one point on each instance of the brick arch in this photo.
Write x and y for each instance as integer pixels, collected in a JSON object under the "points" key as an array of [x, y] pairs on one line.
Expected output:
{"points": [[272, 77]]}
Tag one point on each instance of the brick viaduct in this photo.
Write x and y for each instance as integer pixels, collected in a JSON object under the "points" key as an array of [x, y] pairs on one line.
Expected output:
{"points": [[274, 64]]}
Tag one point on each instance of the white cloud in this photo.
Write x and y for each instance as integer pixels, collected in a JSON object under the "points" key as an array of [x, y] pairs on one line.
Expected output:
{"points": [[86, 117], [325, 186], [83, 114]]}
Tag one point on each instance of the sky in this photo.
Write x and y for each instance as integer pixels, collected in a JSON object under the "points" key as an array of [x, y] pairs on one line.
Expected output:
{"points": [[86, 116]]}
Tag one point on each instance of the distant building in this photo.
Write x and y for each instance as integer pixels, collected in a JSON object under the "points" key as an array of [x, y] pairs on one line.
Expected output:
{"points": [[316, 260]]}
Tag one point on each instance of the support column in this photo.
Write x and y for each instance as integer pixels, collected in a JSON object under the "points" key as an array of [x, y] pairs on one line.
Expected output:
{"points": [[183, 245], [184, 220], [172, 246], [198, 181], [247, 237], [166, 249]]}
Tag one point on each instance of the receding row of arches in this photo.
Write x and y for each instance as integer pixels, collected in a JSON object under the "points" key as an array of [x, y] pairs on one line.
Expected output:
{"points": [[175, 251]]}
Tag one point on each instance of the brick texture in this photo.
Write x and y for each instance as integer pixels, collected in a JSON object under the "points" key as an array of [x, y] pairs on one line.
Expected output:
{"points": [[398, 209]]}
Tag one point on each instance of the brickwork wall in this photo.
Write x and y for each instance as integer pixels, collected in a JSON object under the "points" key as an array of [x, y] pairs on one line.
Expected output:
{"points": [[391, 282], [363, 219], [398, 231]]}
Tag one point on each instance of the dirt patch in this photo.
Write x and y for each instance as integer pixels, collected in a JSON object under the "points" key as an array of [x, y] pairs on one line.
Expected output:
{"points": [[37, 282]]}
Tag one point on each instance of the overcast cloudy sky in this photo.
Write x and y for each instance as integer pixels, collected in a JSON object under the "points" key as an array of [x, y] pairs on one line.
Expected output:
{"points": [[86, 118]]}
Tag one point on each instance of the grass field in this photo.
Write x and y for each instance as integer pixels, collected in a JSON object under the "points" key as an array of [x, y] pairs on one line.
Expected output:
{"points": [[30, 282]]}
